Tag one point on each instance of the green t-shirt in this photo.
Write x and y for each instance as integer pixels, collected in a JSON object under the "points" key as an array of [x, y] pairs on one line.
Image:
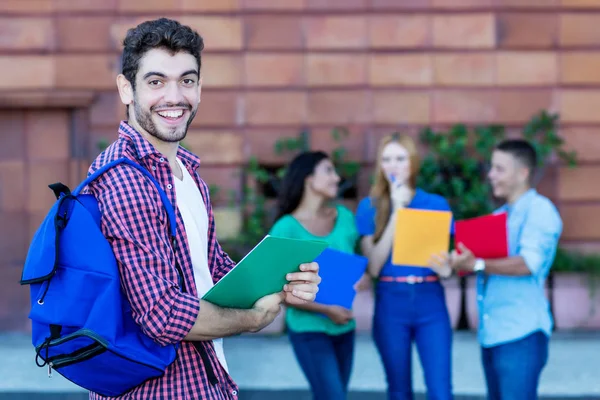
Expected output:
{"points": [[343, 237]]}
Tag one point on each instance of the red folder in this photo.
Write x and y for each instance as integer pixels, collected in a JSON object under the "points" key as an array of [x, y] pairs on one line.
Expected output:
{"points": [[485, 236]]}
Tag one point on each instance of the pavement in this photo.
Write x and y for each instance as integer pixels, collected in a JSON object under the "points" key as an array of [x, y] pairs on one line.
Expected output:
{"points": [[265, 369]]}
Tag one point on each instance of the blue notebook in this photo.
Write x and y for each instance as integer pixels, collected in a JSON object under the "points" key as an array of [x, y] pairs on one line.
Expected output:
{"points": [[339, 273]]}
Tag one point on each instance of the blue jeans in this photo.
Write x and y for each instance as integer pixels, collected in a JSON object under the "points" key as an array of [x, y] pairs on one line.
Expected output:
{"points": [[326, 361], [512, 370], [405, 313]]}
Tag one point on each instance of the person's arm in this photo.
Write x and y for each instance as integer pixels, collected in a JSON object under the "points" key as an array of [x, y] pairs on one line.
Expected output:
{"points": [[215, 322], [379, 252], [538, 241]]}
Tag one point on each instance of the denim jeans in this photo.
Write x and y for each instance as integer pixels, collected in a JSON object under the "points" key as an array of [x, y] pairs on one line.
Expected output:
{"points": [[405, 313], [512, 370], [326, 361]]}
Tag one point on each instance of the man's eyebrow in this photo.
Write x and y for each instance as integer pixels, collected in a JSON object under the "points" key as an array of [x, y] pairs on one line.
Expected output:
{"points": [[189, 72], [160, 74], [151, 73]]}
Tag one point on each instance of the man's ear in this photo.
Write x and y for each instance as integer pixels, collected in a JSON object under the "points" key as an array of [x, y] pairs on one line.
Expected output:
{"points": [[125, 90]]}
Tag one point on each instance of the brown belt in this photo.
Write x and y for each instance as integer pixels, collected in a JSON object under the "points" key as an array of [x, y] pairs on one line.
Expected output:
{"points": [[410, 279]]}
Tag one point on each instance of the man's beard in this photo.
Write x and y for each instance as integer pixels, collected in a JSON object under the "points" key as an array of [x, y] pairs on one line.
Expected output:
{"points": [[171, 135]]}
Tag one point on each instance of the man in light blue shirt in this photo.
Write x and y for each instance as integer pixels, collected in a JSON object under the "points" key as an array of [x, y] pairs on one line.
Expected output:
{"points": [[514, 314]]}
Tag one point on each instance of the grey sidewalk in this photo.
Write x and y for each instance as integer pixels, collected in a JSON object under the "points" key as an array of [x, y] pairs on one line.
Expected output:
{"points": [[264, 367]]}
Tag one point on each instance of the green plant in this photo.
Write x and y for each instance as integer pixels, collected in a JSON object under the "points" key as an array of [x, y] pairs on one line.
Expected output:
{"points": [[456, 164]]}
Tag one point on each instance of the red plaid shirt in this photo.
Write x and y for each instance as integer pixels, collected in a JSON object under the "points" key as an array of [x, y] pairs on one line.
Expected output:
{"points": [[136, 224]]}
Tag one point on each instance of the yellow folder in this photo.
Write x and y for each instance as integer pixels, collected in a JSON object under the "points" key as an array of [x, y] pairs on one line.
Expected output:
{"points": [[420, 234]]}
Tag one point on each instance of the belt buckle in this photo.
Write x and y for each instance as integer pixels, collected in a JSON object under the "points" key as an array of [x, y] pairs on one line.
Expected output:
{"points": [[411, 279]]}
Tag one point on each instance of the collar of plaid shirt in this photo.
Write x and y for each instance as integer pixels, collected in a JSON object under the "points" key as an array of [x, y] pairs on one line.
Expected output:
{"points": [[135, 222]]}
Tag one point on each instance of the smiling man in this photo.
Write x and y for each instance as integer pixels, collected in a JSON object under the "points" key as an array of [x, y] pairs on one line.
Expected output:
{"points": [[515, 321], [160, 85]]}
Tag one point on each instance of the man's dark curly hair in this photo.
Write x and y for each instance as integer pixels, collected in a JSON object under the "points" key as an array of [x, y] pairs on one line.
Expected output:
{"points": [[161, 33]]}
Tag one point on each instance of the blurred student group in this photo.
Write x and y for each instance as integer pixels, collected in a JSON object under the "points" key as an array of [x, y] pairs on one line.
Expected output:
{"points": [[402, 242]]}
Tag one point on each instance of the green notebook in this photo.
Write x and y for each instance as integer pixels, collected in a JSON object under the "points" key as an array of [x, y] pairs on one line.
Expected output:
{"points": [[262, 271]]}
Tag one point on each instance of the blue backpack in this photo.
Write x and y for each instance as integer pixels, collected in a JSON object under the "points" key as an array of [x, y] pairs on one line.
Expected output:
{"points": [[82, 326]]}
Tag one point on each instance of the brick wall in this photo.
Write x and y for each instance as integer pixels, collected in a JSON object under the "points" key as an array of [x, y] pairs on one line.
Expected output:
{"points": [[272, 67]]}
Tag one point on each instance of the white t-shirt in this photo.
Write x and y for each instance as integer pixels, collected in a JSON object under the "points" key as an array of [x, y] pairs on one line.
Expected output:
{"points": [[195, 219]]}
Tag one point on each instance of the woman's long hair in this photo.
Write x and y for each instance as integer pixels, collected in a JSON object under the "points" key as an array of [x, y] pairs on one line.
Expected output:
{"points": [[292, 186], [380, 191]]}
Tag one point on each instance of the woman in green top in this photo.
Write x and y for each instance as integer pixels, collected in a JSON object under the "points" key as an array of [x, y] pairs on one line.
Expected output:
{"points": [[322, 335]]}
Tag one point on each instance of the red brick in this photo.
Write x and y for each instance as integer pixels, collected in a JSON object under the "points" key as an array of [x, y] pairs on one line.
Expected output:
{"points": [[528, 3], [273, 32], [353, 144], [148, 5], [219, 33], [85, 5], [27, 72], [271, 69], [29, 7], [516, 30], [464, 31], [273, 4], [342, 32], [575, 183], [12, 135], [400, 4], [336, 69], [463, 107], [579, 29], [401, 107], [40, 175], [580, 3], [26, 34], [211, 5], [531, 68], [584, 141], [216, 147], [12, 186], [462, 4], [399, 31], [107, 110], [228, 179], [467, 69], [219, 109], [221, 70], [275, 108], [85, 33], [48, 135], [518, 106], [336, 4], [580, 68], [14, 234], [580, 106], [548, 183], [339, 107], [260, 143], [406, 70], [86, 71], [581, 222]]}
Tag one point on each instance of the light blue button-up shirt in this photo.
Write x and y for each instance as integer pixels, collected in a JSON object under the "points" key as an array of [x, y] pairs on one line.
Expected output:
{"points": [[512, 307]]}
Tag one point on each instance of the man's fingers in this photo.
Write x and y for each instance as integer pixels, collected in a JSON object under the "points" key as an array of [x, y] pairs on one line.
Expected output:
{"points": [[309, 267], [304, 277], [301, 287]]}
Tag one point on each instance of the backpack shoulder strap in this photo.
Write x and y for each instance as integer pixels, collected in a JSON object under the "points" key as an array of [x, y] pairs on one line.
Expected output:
{"points": [[163, 196]]}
